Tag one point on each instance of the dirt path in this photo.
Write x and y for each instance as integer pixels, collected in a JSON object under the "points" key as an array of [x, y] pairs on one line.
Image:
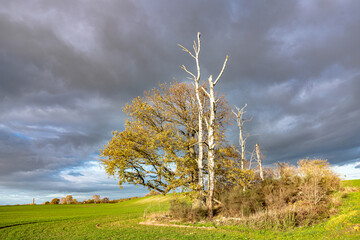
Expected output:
{"points": [[152, 223]]}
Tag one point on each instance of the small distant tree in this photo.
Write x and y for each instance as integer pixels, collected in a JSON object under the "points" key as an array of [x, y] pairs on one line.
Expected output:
{"points": [[69, 199], [62, 201], [96, 198], [90, 201], [46, 203], [152, 193], [105, 200], [55, 201], [75, 201]]}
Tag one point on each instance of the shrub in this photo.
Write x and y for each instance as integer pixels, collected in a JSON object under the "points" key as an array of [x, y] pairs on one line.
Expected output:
{"points": [[289, 197], [318, 180], [242, 203], [180, 209]]}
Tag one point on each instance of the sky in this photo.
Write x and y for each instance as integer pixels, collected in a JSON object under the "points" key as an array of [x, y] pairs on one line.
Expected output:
{"points": [[68, 67]]}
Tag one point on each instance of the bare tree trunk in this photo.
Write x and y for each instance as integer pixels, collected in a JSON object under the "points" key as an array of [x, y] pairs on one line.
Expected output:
{"points": [[211, 152], [211, 139], [210, 123], [239, 114], [196, 80], [259, 161]]}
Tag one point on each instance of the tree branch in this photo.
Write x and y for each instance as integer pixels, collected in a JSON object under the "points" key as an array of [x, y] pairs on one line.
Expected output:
{"points": [[190, 73], [205, 92], [186, 50], [222, 70]]}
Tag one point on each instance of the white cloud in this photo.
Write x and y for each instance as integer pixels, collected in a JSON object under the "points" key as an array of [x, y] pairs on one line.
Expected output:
{"points": [[348, 171]]}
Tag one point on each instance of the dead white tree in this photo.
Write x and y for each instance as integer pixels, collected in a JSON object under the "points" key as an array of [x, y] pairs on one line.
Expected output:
{"points": [[196, 81], [211, 137], [242, 140], [257, 149]]}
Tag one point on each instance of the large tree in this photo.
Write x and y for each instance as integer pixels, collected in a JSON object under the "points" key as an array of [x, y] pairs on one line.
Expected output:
{"points": [[158, 148]]}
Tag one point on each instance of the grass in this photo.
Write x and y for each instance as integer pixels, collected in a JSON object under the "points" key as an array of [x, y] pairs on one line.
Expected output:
{"points": [[351, 183], [120, 221]]}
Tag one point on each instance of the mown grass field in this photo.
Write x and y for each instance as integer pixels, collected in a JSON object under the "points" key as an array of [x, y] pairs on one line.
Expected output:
{"points": [[121, 221]]}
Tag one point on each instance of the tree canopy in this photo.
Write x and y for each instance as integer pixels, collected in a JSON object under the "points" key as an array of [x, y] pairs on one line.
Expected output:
{"points": [[158, 148]]}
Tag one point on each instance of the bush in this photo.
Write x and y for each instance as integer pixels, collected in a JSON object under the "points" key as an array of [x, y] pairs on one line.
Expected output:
{"points": [[318, 180], [242, 203], [180, 209], [289, 197]]}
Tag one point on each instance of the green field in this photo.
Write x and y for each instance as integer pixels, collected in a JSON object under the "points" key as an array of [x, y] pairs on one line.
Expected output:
{"points": [[351, 183], [121, 221]]}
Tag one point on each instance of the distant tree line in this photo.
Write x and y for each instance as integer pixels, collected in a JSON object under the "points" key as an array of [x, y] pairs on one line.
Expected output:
{"points": [[94, 200]]}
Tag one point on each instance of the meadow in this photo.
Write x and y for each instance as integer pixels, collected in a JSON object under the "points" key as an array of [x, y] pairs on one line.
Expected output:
{"points": [[121, 221]]}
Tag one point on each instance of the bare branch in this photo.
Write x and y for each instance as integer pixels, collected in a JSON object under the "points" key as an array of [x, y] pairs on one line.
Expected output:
{"points": [[190, 73], [217, 100], [195, 47], [247, 119], [206, 143], [206, 122], [198, 38], [243, 108], [217, 201], [222, 70], [251, 158], [205, 92], [186, 50], [234, 112]]}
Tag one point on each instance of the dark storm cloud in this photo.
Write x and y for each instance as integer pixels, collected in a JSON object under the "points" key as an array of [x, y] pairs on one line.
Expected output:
{"points": [[67, 68]]}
